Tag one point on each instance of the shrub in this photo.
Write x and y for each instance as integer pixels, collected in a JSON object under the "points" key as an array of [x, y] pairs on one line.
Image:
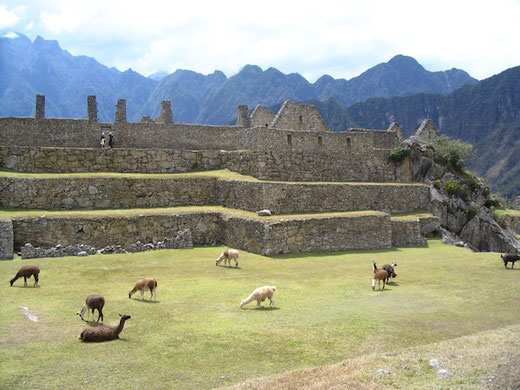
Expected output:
{"points": [[471, 180], [452, 153], [452, 187], [473, 210], [437, 184], [398, 154]]}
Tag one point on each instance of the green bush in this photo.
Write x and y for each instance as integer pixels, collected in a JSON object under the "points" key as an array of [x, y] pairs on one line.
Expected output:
{"points": [[398, 154], [437, 184], [452, 187], [473, 210], [452, 153]]}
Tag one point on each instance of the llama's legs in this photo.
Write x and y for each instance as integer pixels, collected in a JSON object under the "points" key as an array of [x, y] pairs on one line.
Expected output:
{"points": [[271, 302], [258, 303], [35, 279], [25, 281], [142, 294]]}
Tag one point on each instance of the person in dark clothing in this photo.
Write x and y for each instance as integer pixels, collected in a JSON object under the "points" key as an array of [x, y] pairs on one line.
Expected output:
{"points": [[111, 140]]}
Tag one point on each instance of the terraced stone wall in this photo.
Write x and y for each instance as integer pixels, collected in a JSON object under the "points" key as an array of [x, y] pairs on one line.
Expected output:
{"points": [[75, 160], [309, 235], [352, 141], [320, 165], [124, 231], [287, 198], [6, 240], [369, 231], [105, 193], [273, 165], [135, 192], [86, 134], [407, 233]]}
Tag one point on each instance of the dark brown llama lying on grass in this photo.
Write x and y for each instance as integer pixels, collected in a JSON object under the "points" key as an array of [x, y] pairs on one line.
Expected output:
{"points": [[27, 271], [510, 258], [104, 332], [93, 302], [379, 275]]}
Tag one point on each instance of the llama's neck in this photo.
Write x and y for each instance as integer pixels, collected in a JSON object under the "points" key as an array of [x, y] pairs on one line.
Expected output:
{"points": [[121, 325]]}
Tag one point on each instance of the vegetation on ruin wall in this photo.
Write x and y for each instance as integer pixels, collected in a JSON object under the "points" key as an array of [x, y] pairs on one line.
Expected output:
{"points": [[196, 337]]}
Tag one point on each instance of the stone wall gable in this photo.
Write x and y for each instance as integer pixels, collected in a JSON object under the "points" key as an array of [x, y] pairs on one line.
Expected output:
{"points": [[395, 127], [262, 117], [299, 117], [427, 131]]}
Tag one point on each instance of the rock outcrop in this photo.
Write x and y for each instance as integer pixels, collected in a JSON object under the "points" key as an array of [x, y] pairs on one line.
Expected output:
{"points": [[460, 200]]}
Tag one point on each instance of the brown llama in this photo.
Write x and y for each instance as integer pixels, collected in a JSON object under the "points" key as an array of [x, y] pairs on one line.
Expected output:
{"points": [[379, 275]]}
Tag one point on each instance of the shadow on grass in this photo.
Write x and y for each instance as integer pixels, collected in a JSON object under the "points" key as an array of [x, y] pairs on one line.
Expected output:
{"points": [[144, 300], [261, 309], [21, 286], [348, 252], [93, 323], [228, 267]]}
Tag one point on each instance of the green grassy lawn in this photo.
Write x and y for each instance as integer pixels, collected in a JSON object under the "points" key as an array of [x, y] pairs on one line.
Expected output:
{"points": [[196, 337]]}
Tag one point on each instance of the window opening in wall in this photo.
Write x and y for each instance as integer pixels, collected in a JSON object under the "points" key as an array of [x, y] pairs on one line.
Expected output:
{"points": [[320, 141], [301, 119], [349, 144], [289, 139], [266, 125]]}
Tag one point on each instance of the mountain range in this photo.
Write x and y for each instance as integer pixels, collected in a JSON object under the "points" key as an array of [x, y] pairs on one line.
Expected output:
{"points": [[485, 113], [42, 67]]}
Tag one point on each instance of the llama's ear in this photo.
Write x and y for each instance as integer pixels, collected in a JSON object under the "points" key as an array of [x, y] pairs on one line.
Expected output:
{"points": [[120, 315]]}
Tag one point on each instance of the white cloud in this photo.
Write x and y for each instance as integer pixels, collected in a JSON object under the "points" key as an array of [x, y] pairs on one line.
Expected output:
{"points": [[9, 18], [340, 38]]}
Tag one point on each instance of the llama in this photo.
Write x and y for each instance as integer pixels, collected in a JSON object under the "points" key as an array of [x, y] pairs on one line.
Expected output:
{"points": [[510, 257], [27, 271], [260, 294], [93, 302], [227, 255], [390, 269], [379, 275], [104, 332], [143, 284]]}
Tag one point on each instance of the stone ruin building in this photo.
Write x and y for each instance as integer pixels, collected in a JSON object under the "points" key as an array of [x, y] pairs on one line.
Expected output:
{"points": [[327, 191]]}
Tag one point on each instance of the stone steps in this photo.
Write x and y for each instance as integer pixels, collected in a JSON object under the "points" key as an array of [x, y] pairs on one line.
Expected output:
{"points": [[115, 191]]}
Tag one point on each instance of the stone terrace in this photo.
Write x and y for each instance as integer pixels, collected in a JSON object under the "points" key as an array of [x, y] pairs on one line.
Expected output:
{"points": [[328, 191]]}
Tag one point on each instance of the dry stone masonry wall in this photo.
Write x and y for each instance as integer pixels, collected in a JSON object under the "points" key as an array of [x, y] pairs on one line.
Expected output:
{"points": [[293, 145], [69, 193]]}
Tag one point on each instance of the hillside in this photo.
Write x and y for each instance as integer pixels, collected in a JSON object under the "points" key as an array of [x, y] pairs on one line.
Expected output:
{"points": [[486, 114], [42, 67]]}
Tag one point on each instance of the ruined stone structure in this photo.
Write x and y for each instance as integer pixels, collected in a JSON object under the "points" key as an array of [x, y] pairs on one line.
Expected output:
{"points": [[307, 172], [120, 116]]}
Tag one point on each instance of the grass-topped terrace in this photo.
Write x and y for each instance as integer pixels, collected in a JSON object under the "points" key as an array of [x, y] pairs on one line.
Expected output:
{"points": [[504, 212], [113, 213], [222, 174], [196, 337]]}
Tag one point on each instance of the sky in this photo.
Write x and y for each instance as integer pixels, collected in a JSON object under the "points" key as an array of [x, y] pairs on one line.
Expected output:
{"points": [[313, 38]]}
